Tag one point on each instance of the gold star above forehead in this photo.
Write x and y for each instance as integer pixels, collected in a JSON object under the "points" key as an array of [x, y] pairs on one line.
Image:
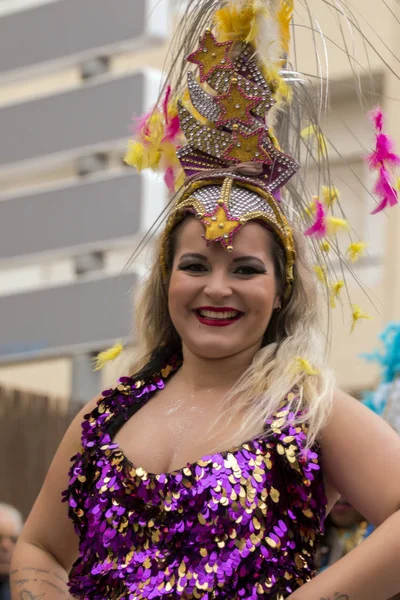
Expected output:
{"points": [[220, 226], [211, 56], [247, 147], [236, 105]]}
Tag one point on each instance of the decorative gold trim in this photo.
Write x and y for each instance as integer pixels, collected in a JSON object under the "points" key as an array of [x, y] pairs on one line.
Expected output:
{"points": [[186, 202]]}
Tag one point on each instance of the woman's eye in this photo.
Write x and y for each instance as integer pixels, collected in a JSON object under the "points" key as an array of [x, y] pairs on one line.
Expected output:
{"points": [[248, 270], [192, 267]]}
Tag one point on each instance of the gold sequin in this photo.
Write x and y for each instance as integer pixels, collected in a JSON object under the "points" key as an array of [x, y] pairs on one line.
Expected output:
{"points": [[274, 494]]}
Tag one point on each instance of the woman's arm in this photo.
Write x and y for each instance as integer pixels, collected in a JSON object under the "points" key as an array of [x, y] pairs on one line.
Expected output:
{"points": [[361, 457], [48, 545], [46, 579], [369, 572]]}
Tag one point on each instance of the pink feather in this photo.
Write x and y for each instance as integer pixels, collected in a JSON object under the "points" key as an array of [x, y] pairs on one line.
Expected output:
{"points": [[382, 157], [140, 123], [169, 179], [165, 103], [385, 190], [384, 149], [383, 152], [173, 129], [376, 116], [318, 228], [172, 126]]}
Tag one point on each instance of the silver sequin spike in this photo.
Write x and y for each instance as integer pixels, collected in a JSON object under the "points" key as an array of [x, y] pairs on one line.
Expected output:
{"points": [[202, 101], [210, 141]]}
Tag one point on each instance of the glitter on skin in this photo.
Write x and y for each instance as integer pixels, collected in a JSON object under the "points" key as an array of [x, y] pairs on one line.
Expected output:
{"points": [[236, 524]]}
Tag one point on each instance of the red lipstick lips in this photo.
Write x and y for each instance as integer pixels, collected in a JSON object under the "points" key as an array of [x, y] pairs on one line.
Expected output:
{"points": [[207, 315]]}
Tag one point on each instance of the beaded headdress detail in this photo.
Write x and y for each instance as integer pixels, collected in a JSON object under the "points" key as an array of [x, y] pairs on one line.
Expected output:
{"points": [[232, 163], [214, 138]]}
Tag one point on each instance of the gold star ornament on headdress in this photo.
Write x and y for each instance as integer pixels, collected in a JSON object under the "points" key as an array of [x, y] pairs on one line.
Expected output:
{"points": [[211, 56], [236, 105], [220, 226], [247, 147]]}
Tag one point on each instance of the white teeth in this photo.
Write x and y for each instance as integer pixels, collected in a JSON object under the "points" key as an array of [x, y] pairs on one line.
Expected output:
{"points": [[210, 314]]}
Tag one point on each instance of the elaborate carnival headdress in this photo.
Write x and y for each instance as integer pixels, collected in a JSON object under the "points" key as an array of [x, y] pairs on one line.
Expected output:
{"points": [[215, 134]]}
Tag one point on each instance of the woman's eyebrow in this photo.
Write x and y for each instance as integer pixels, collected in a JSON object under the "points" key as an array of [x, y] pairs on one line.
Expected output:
{"points": [[247, 258], [193, 255]]}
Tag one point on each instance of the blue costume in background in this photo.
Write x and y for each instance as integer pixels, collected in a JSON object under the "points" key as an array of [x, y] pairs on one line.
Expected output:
{"points": [[385, 399]]}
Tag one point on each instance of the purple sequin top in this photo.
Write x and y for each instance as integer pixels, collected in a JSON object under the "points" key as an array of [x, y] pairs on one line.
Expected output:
{"points": [[241, 524]]}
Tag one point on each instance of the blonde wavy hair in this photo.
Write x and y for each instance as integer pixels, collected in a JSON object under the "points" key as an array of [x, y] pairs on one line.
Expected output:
{"points": [[295, 331]]}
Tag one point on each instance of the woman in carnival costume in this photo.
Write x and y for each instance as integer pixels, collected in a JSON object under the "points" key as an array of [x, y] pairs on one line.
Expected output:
{"points": [[209, 472]]}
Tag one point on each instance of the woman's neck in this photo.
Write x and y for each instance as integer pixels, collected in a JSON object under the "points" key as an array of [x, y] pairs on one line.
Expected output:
{"points": [[201, 373]]}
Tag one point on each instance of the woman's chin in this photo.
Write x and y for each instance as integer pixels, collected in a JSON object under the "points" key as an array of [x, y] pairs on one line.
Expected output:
{"points": [[211, 348]]}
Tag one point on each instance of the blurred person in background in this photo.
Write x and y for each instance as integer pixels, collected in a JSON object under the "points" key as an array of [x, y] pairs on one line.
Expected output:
{"points": [[10, 528], [209, 472], [345, 529]]}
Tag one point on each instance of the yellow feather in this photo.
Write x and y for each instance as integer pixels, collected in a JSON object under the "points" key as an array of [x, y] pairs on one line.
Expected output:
{"points": [[302, 365], [312, 132], [357, 314], [321, 273], [308, 131], [335, 291], [330, 195], [334, 224], [273, 138], [137, 156], [321, 143], [169, 155], [239, 24], [259, 10], [154, 155], [172, 109], [180, 180], [281, 91], [154, 129], [312, 207], [284, 16], [355, 250], [325, 246], [108, 355]]}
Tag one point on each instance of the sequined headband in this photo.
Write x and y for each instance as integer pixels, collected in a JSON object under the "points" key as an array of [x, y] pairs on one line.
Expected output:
{"points": [[224, 203]]}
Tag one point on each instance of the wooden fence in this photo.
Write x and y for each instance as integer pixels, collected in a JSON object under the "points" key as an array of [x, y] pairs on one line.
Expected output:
{"points": [[31, 427]]}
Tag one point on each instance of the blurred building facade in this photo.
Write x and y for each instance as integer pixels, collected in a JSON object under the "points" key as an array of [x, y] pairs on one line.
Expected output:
{"points": [[72, 74]]}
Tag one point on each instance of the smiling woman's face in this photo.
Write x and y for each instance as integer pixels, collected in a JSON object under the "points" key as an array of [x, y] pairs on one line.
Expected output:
{"points": [[221, 303]]}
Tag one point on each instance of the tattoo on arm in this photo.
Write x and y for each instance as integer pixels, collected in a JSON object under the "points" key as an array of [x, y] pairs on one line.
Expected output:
{"points": [[27, 595], [47, 573], [337, 596]]}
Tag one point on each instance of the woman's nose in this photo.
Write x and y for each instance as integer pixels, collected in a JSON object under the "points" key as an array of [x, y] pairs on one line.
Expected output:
{"points": [[218, 285]]}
